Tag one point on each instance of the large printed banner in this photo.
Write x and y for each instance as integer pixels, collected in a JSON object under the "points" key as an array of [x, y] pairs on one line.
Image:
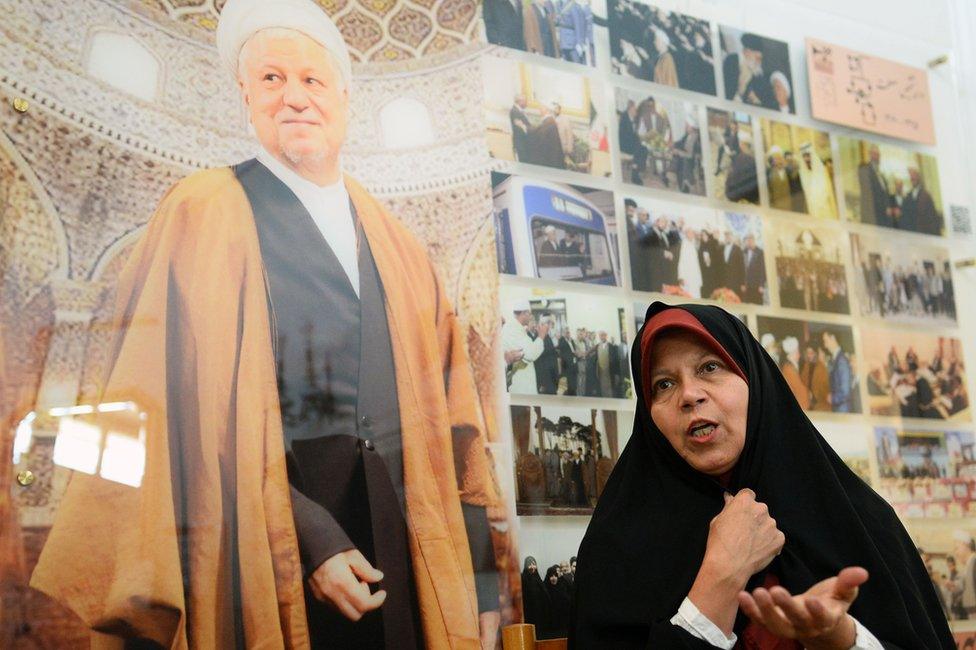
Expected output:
{"points": [[869, 93]]}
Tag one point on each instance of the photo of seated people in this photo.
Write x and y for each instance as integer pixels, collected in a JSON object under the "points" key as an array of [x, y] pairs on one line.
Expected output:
{"points": [[555, 231], [561, 29], [916, 375], [660, 143], [732, 146], [810, 268], [695, 252], [903, 281], [799, 169], [756, 70], [547, 596], [564, 456], [545, 117], [926, 473], [568, 343], [665, 47], [817, 360], [890, 186]]}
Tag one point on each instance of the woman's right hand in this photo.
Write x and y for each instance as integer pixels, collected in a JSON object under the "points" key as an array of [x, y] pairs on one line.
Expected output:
{"points": [[743, 538]]}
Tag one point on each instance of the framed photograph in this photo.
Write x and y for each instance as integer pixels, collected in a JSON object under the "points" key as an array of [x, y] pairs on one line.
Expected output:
{"points": [[756, 70], [891, 186], [564, 343], [817, 360], [695, 252], [915, 375], [564, 456], [799, 169], [561, 29], [660, 143], [555, 231], [926, 473], [732, 147], [902, 280], [946, 550], [810, 269], [546, 117], [851, 441]]}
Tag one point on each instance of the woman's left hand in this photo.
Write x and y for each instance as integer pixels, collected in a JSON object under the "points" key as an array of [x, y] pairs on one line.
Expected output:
{"points": [[817, 618]]}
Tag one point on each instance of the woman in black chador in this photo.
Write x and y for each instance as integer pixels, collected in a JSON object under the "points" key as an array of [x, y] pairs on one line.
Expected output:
{"points": [[730, 522], [535, 599]]}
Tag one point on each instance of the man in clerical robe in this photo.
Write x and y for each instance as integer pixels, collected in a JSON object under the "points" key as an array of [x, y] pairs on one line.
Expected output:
{"points": [[315, 465]]}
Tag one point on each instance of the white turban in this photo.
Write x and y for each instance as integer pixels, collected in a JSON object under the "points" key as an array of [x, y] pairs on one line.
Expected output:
{"points": [[790, 345], [767, 341], [242, 19], [520, 305], [962, 536]]}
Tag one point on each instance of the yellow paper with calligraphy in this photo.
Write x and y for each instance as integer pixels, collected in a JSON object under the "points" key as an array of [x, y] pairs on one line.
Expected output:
{"points": [[869, 93]]}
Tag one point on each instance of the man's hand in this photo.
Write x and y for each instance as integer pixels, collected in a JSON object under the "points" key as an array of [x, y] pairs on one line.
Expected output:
{"points": [[817, 618], [513, 355], [488, 623], [343, 582]]}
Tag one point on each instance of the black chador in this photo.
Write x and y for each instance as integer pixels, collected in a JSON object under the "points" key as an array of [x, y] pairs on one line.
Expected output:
{"points": [[345, 459]]}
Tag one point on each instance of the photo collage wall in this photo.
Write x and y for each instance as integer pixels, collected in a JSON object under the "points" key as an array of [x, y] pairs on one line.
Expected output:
{"points": [[641, 154]]}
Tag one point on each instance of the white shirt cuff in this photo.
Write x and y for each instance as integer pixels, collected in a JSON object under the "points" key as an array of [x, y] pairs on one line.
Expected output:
{"points": [[865, 640], [699, 626]]}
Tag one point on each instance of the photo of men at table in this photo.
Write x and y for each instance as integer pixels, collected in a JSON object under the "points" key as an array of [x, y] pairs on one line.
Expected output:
{"points": [[817, 360], [810, 267], [660, 142], [732, 146], [547, 117], [902, 281], [695, 252], [561, 29], [572, 344], [890, 186], [799, 169], [756, 70], [564, 456], [915, 375], [665, 47]]}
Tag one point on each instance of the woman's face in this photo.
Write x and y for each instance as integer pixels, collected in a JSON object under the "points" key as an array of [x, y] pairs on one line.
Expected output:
{"points": [[698, 402]]}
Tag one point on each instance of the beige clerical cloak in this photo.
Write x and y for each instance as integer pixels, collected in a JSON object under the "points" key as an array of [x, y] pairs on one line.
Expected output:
{"points": [[206, 547]]}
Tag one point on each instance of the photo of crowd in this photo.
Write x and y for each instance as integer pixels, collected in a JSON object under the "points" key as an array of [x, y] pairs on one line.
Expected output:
{"points": [[925, 473], [817, 360], [756, 70], [732, 147], [903, 281], [890, 186], [665, 47], [547, 600], [915, 375], [799, 169], [660, 143], [810, 267], [554, 231], [564, 456], [561, 29], [570, 344], [545, 117], [695, 252]]}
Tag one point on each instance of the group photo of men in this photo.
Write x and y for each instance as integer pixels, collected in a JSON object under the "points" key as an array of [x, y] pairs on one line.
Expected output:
{"points": [[915, 375], [572, 344], [564, 456], [756, 70], [665, 47], [810, 268], [799, 169], [660, 143], [949, 556], [733, 162], [903, 281], [890, 186], [817, 360], [545, 117], [561, 29], [695, 252]]}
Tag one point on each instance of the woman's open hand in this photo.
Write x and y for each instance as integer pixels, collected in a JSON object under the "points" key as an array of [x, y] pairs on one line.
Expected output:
{"points": [[817, 618]]}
